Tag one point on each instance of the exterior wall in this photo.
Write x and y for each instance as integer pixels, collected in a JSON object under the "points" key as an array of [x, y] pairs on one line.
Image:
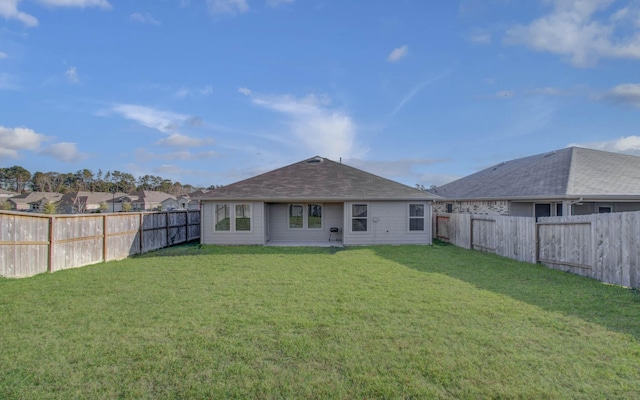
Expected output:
{"points": [[592, 208], [279, 223], [522, 209], [387, 223], [499, 207], [254, 237]]}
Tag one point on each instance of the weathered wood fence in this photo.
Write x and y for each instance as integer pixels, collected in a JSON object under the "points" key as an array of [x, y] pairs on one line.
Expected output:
{"points": [[34, 243], [605, 247]]}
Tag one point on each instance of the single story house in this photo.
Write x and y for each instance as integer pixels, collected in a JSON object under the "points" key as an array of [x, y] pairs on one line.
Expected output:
{"points": [[316, 201], [33, 201], [84, 202], [143, 200], [569, 181]]}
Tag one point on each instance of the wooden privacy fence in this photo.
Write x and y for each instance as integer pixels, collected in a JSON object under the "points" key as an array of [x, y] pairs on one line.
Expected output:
{"points": [[605, 247], [512, 237], [34, 243]]}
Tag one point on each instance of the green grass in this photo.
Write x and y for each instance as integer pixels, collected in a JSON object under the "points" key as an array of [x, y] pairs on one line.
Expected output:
{"points": [[372, 322]]}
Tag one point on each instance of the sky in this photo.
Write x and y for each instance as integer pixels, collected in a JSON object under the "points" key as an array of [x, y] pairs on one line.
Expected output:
{"points": [[209, 92]]}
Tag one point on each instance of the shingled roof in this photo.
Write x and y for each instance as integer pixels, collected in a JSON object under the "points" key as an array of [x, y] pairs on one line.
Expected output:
{"points": [[569, 172], [318, 179]]}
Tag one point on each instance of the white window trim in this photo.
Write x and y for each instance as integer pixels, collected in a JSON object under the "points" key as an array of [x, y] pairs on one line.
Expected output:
{"points": [[289, 216], [409, 217], [305, 217], [232, 217], [351, 218]]}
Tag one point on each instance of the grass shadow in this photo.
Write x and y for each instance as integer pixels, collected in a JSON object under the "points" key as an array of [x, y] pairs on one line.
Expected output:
{"points": [[613, 307]]}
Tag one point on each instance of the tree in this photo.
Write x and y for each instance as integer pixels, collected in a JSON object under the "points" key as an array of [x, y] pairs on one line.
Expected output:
{"points": [[51, 208], [126, 206], [103, 207], [15, 177]]}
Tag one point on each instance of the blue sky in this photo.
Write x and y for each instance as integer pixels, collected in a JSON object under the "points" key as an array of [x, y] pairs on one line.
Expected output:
{"points": [[213, 91]]}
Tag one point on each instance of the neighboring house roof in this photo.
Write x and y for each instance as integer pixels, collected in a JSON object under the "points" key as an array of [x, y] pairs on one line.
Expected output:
{"points": [[6, 193], [318, 179], [150, 196], [86, 198], [567, 173], [34, 197]]}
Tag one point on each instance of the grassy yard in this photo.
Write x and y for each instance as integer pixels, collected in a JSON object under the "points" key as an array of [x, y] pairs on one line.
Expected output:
{"points": [[370, 322]]}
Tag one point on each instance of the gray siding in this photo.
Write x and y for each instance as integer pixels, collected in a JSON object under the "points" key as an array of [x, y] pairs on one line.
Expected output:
{"points": [[521, 209], [255, 237], [592, 208], [391, 226], [279, 223]]}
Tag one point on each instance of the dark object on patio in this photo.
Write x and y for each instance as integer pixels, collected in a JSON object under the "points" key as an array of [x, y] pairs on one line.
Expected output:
{"points": [[333, 231]]}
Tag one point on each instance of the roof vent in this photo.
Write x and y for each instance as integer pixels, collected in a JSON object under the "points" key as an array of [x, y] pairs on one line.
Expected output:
{"points": [[314, 160], [549, 154], [499, 165]]}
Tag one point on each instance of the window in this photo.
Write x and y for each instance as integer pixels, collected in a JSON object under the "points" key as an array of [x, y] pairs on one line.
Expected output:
{"points": [[295, 216], [416, 217], [243, 217], [604, 210], [222, 217], [314, 215], [449, 208], [359, 218]]}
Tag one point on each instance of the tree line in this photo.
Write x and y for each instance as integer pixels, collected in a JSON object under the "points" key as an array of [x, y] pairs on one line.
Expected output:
{"points": [[19, 179]]}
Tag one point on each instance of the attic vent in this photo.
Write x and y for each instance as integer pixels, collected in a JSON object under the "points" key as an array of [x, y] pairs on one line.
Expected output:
{"points": [[314, 160], [549, 154], [499, 165]]}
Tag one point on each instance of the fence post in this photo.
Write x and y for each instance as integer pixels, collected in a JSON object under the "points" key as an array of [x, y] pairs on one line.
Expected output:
{"points": [[186, 226], [104, 238], [50, 263], [167, 226], [141, 228]]}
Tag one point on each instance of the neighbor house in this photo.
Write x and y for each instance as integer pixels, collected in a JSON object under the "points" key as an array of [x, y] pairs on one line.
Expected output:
{"points": [[33, 201], [316, 201], [85, 202], [143, 200], [570, 181]]}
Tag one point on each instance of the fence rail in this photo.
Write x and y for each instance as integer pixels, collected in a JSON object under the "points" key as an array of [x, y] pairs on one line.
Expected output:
{"points": [[605, 247], [34, 243]]}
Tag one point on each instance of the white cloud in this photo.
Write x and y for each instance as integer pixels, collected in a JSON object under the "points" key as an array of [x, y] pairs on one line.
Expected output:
{"points": [[227, 6], [626, 144], [15, 140], [3, 55], [416, 89], [320, 129], [480, 37], [179, 140], [402, 169], [244, 91], [144, 18], [163, 121], [184, 91], [9, 10], [8, 82], [398, 53], [628, 93], [77, 3], [183, 155], [72, 75], [577, 30], [64, 151], [276, 3]]}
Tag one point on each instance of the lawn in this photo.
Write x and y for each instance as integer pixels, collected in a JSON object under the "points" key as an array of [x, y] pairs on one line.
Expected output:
{"points": [[364, 322]]}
